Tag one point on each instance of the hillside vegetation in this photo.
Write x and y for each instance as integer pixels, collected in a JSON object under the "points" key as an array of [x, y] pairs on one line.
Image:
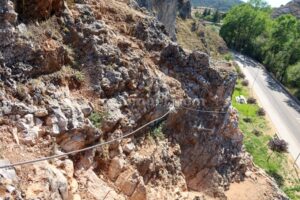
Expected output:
{"points": [[223, 5], [250, 29], [193, 35]]}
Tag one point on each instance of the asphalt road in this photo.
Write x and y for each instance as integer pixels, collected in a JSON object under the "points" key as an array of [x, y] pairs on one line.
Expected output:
{"points": [[283, 111]]}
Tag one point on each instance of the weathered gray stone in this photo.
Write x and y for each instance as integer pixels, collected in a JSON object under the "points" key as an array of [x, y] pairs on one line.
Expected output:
{"points": [[128, 148], [166, 12], [41, 113], [292, 7], [7, 173]]}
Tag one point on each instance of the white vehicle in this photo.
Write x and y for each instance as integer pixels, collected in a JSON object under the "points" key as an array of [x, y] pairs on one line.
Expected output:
{"points": [[241, 99]]}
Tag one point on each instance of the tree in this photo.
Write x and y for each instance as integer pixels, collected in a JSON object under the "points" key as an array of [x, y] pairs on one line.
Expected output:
{"points": [[280, 49], [249, 29], [197, 14], [242, 25], [259, 4], [216, 17], [205, 13]]}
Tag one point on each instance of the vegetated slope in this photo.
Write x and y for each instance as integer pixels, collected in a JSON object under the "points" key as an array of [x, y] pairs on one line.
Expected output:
{"points": [[293, 8], [79, 74], [194, 35], [223, 5]]}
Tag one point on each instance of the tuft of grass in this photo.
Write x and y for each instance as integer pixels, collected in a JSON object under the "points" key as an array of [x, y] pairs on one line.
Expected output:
{"points": [[96, 118], [21, 92], [157, 132], [293, 192], [79, 76], [228, 57]]}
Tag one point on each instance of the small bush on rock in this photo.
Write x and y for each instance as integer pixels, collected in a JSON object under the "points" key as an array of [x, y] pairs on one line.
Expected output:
{"points": [[228, 57], [96, 118], [157, 132], [21, 92]]}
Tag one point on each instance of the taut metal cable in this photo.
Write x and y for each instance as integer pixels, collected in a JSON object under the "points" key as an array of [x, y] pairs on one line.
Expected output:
{"points": [[87, 148], [203, 111]]}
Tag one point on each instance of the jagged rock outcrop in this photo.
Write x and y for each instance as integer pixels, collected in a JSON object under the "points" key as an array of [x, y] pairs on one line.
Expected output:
{"points": [[293, 8], [167, 11], [98, 71], [38, 10]]}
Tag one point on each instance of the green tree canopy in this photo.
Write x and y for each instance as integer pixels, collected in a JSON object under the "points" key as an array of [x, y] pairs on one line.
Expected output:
{"points": [[242, 25]]}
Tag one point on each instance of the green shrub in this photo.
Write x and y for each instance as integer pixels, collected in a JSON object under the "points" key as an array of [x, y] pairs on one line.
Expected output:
{"points": [[257, 132], [277, 177], [79, 76], [245, 82], [228, 57], [96, 118], [248, 120], [251, 100], [157, 132], [293, 75], [261, 112]]}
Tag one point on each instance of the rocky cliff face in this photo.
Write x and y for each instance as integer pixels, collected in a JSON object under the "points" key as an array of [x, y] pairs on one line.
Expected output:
{"points": [[167, 11], [292, 8], [92, 71]]}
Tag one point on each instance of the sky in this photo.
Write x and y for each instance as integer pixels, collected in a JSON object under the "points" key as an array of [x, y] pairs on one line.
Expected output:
{"points": [[276, 3]]}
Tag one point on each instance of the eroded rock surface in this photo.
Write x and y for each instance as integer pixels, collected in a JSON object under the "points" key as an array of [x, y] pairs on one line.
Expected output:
{"points": [[292, 7], [166, 12]]}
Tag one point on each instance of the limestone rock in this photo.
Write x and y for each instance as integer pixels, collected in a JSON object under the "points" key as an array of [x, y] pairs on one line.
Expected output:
{"points": [[86, 110], [99, 189], [128, 148], [127, 181], [140, 191], [115, 168], [292, 7], [41, 113], [7, 12], [7, 173], [114, 114], [39, 10], [166, 12], [48, 182]]}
